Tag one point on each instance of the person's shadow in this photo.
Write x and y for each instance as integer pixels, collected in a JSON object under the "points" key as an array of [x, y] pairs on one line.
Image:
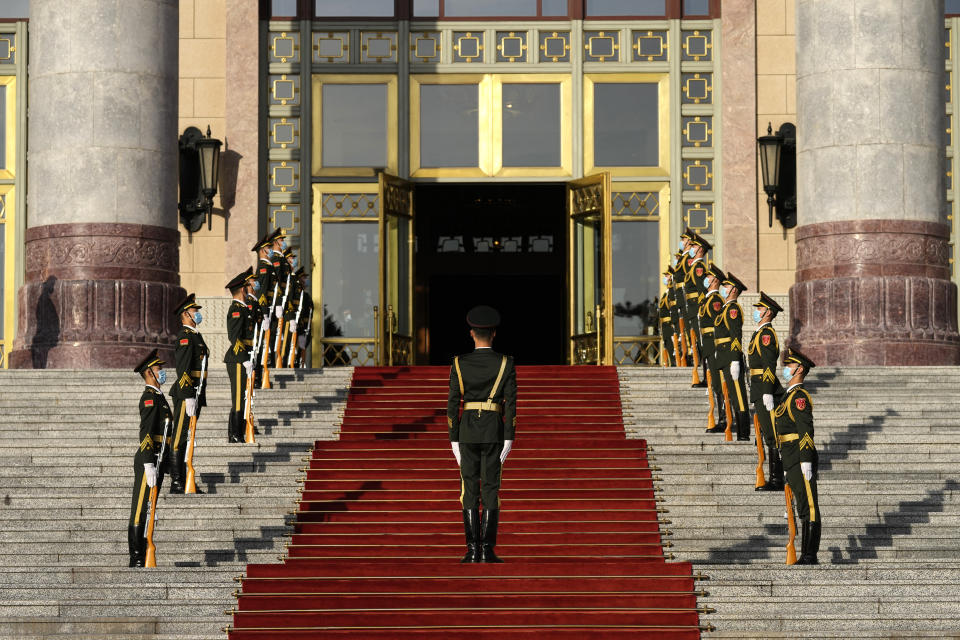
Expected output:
{"points": [[48, 325]]}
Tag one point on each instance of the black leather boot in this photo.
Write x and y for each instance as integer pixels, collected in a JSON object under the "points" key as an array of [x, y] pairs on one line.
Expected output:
{"points": [[138, 545], [471, 529], [178, 473], [721, 424], [743, 426], [810, 544], [488, 535], [235, 427], [774, 471]]}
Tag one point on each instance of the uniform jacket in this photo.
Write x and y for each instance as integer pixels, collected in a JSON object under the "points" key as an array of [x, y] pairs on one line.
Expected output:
{"points": [[693, 289], [728, 334], [709, 310], [154, 412], [478, 372], [794, 415], [267, 277], [763, 351], [238, 332], [189, 355]]}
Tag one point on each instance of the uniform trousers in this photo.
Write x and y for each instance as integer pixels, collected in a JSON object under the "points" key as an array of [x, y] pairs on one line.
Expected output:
{"points": [[238, 389], [766, 423], [736, 388], [480, 472], [140, 503], [804, 491]]}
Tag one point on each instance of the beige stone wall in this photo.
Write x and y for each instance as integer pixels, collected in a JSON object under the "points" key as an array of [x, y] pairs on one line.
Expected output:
{"points": [[203, 102], [776, 104]]}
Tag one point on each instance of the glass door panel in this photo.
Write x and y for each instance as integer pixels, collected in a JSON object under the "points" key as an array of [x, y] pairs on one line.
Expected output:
{"points": [[396, 271], [590, 270]]}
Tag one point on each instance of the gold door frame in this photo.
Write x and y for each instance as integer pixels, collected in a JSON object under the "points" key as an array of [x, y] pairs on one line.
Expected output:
{"points": [[396, 201], [590, 196]]}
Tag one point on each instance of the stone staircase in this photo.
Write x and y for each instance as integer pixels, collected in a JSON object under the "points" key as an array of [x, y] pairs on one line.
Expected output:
{"points": [[66, 450], [888, 443]]}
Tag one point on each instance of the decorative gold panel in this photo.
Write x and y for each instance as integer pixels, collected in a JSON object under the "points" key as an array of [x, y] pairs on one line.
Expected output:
{"points": [[8, 48], [697, 131], [284, 90], [554, 46], [286, 217], [8, 118], [638, 350], [698, 175], [284, 176], [350, 205], [284, 47], [378, 47], [584, 348], [601, 46], [331, 47], [511, 46], [402, 350], [699, 217], [697, 88], [467, 46], [636, 204], [587, 200], [650, 46], [348, 352], [425, 46], [284, 133], [697, 46]]}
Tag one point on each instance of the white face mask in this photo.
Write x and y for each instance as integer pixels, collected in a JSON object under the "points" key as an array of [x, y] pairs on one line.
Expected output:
{"points": [[162, 376], [724, 291], [197, 317]]}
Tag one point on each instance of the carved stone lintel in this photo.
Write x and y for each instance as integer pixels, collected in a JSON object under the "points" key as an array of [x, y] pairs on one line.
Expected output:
{"points": [[97, 295], [875, 292]]}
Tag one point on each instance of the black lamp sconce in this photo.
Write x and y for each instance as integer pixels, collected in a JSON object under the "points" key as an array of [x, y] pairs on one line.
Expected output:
{"points": [[778, 166], [199, 175]]}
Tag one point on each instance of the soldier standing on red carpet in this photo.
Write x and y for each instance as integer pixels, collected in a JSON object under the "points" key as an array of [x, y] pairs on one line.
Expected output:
{"points": [[482, 436]]}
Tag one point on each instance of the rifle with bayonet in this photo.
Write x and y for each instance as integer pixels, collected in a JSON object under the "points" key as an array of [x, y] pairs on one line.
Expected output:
{"points": [[248, 392], [283, 306], [151, 556], [293, 333], [265, 343], [191, 485], [306, 337]]}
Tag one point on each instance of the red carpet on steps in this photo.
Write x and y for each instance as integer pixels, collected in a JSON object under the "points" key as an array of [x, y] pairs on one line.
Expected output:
{"points": [[379, 533]]}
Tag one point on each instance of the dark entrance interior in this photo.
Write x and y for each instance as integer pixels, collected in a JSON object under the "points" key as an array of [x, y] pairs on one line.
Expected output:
{"points": [[497, 244]]}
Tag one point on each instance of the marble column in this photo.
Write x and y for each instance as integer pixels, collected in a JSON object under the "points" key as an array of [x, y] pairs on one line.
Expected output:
{"points": [[101, 255], [873, 275]]}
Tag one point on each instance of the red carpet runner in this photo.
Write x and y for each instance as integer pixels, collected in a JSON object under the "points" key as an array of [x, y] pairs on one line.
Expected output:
{"points": [[379, 532]]}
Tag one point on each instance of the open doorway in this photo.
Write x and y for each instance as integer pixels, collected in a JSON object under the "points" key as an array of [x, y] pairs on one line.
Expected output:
{"points": [[497, 244]]}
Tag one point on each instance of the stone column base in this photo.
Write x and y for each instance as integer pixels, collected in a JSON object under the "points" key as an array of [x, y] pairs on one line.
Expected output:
{"points": [[875, 292], [97, 296]]}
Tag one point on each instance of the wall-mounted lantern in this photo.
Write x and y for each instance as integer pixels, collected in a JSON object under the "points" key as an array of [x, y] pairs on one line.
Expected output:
{"points": [[778, 166], [199, 175]]}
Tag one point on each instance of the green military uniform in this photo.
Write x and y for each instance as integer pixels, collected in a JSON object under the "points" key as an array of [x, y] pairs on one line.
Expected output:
{"points": [[486, 382], [290, 313], [729, 341], [679, 312], [694, 291], [155, 415], [794, 429], [240, 341], [189, 357], [666, 325], [709, 310], [271, 289], [763, 351]]}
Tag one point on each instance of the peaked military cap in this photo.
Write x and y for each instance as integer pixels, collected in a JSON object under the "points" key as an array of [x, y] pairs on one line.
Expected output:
{"points": [[716, 272], [190, 302], [696, 239], [735, 282], [769, 303], [153, 358], [688, 234], [793, 355], [277, 234], [483, 317], [262, 242], [240, 279], [299, 273], [250, 275], [288, 252]]}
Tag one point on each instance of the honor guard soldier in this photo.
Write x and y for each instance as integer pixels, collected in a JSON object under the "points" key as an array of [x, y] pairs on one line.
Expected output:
{"points": [[763, 352], [709, 311], [285, 281], [693, 291], [304, 328], [667, 335], [482, 436], [680, 305], [237, 357], [268, 285], [729, 341], [155, 418], [191, 360], [794, 429], [291, 308]]}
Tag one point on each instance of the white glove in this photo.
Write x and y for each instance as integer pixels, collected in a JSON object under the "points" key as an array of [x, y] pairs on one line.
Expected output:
{"points": [[191, 406], [302, 341], [768, 401], [735, 370], [266, 319], [278, 311], [248, 366], [456, 451], [150, 471], [507, 445], [806, 468]]}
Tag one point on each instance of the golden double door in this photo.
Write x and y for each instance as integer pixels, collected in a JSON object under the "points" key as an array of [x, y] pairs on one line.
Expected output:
{"points": [[395, 333]]}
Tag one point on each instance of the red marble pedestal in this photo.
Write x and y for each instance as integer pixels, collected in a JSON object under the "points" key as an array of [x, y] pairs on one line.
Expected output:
{"points": [[875, 292], [97, 296]]}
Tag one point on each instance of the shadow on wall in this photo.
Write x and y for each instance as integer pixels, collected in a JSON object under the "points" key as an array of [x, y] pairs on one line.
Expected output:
{"points": [[229, 171], [48, 325]]}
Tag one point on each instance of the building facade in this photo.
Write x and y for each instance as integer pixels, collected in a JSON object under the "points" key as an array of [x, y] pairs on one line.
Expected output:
{"points": [[542, 156]]}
